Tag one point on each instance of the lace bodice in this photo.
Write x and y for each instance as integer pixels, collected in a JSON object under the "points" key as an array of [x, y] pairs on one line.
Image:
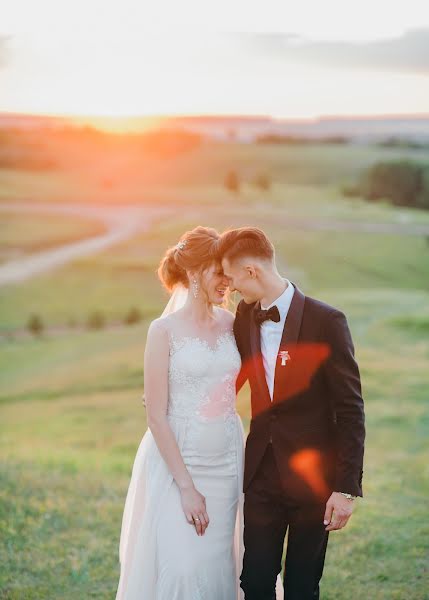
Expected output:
{"points": [[202, 376]]}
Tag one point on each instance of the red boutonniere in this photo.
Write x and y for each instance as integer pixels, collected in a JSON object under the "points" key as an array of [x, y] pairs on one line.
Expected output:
{"points": [[285, 356]]}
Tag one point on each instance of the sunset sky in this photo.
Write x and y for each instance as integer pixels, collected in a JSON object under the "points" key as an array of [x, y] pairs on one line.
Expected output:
{"points": [[293, 60]]}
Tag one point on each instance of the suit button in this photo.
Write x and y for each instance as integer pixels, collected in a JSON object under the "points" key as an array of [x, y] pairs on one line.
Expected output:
{"points": [[273, 417]]}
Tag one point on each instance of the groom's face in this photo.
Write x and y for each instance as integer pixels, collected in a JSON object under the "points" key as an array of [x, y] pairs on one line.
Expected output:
{"points": [[241, 279]]}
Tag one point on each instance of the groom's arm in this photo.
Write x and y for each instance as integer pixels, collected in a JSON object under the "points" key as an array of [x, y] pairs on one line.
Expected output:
{"points": [[345, 391]]}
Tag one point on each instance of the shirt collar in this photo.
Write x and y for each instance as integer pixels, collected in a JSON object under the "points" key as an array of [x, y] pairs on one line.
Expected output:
{"points": [[284, 300]]}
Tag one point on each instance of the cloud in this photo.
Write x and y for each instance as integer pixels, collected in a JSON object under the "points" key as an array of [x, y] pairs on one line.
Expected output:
{"points": [[406, 54]]}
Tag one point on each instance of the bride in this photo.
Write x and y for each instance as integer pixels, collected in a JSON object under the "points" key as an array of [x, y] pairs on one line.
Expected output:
{"points": [[182, 526]]}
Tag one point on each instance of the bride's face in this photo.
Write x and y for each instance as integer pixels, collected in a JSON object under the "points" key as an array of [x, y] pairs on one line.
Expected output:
{"points": [[214, 283]]}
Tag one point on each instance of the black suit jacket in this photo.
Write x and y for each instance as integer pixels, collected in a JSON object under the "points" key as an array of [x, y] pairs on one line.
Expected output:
{"points": [[316, 419]]}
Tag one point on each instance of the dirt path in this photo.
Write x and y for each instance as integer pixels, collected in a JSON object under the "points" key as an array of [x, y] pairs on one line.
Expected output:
{"points": [[120, 223]]}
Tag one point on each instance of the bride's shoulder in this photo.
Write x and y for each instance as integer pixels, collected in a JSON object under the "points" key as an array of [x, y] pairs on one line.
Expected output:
{"points": [[167, 325], [157, 339], [167, 321], [158, 327]]}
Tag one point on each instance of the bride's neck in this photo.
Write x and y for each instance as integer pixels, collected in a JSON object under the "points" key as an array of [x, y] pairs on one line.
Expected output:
{"points": [[198, 310]]}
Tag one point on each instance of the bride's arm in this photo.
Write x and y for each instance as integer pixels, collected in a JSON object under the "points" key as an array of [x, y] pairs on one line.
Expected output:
{"points": [[156, 396], [156, 360]]}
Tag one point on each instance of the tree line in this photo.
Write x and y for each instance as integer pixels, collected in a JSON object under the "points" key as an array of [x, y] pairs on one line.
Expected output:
{"points": [[402, 183]]}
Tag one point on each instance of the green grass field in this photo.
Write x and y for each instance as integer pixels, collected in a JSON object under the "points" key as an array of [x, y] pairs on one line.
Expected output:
{"points": [[71, 415], [89, 175]]}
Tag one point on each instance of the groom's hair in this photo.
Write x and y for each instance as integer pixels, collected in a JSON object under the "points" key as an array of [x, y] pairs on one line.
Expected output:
{"points": [[244, 241]]}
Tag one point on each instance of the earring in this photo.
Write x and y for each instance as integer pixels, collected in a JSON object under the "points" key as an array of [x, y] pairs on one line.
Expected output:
{"points": [[195, 287]]}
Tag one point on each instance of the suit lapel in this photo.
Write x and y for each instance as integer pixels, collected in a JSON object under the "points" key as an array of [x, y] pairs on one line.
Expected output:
{"points": [[289, 339], [263, 396]]}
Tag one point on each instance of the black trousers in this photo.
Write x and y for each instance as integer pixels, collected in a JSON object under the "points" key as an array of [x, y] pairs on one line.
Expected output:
{"points": [[268, 514]]}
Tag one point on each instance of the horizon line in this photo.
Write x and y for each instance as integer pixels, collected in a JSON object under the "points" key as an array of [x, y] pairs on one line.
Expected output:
{"points": [[208, 115]]}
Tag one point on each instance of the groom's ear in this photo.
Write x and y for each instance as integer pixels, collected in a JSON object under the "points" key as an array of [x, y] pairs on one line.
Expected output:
{"points": [[251, 271]]}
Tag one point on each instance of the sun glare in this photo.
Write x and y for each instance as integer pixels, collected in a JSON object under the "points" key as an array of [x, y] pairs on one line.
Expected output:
{"points": [[89, 62]]}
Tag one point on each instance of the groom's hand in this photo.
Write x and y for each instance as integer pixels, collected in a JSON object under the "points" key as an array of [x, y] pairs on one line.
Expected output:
{"points": [[338, 511]]}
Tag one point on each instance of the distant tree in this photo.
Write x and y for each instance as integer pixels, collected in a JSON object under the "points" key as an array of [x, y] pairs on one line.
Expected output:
{"points": [[275, 138], [232, 182], [422, 200], [402, 183], [96, 320], [133, 316], [35, 325], [262, 181], [72, 323], [333, 139], [350, 191], [399, 142], [398, 181]]}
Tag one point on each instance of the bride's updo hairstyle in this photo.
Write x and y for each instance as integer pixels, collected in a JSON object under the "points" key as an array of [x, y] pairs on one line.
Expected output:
{"points": [[195, 251]]}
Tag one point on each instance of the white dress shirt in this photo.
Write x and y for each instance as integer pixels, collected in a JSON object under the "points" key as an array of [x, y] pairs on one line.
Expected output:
{"points": [[271, 335]]}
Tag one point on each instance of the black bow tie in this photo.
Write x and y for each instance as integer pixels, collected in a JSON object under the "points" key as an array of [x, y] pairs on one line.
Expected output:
{"points": [[272, 314]]}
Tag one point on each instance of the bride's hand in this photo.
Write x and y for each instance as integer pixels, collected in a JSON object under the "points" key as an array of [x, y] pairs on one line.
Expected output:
{"points": [[194, 507]]}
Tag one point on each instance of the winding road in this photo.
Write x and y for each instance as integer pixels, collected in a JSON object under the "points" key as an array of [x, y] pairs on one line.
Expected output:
{"points": [[121, 223]]}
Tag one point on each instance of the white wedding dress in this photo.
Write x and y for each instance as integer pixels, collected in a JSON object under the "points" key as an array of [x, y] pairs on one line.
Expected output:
{"points": [[161, 555]]}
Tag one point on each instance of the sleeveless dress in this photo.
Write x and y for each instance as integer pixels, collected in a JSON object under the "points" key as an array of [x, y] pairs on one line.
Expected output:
{"points": [[162, 557]]}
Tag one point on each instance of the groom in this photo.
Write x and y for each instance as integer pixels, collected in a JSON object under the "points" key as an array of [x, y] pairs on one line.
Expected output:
{"points": [[304, 451]]}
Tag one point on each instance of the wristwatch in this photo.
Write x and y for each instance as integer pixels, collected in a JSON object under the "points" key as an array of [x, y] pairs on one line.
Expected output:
{"points": [[348, 496]]}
